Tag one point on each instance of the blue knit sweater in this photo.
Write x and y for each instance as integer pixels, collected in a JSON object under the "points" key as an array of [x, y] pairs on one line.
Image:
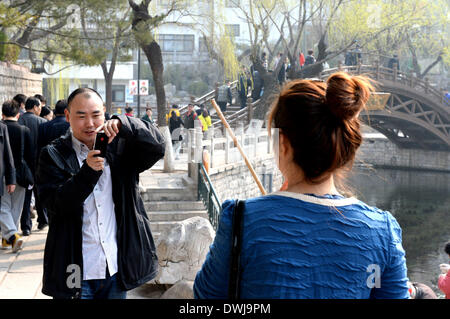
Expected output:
{"points": [[305, 246]]}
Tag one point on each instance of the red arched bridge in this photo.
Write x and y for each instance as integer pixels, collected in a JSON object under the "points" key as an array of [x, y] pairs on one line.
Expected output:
{"points": [[406, 109]]}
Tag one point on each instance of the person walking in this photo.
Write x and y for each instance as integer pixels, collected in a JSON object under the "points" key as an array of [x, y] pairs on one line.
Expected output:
{"points": [[99, 242], [175, 124], [224, 96], [190, 118], [205, 118], [48, 131], [244, 84], [129, 111], [32, 120], [310, 241], [444, 278], [20, 99], [46, 113], [20, 142], [10, 236], [148, 115]]}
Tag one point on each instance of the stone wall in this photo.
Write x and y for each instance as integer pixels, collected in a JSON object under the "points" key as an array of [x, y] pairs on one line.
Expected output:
{"points": [[15, 79], [380, 152], [235, 180]]}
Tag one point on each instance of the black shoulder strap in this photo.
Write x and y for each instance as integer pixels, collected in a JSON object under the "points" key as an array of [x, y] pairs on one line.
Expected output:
{"points": [[236, 241]]}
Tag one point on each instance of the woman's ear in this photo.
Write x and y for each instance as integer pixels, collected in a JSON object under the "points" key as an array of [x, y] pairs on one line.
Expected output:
{"points": [[285, 146]]}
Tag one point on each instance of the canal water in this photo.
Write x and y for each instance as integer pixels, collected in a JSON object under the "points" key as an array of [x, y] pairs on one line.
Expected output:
{"points": [[420, 201]]}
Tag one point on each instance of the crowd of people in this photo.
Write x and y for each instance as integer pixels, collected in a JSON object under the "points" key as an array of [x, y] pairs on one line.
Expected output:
{"points": [[27, 126]]}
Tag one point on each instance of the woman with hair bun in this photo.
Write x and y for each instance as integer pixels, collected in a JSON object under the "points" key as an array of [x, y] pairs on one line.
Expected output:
{"points": [[309, 241]]}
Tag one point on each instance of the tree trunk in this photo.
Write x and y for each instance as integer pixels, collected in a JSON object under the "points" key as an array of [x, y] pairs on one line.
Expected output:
{"points": [[108, 85], [154, 57]]}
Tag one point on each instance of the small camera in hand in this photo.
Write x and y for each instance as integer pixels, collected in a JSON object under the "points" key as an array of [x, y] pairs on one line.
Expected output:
{"points": [[101, 142]]}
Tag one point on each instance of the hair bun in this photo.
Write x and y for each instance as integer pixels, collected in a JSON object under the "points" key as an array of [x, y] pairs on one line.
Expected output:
{"points": [[346, 95]]}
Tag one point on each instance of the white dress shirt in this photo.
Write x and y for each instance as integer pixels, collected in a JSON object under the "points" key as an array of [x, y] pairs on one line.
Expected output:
{"points": [[99, 223]]}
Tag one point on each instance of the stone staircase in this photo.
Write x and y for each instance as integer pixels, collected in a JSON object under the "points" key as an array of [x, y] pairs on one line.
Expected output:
{"points": [[168, 199]]}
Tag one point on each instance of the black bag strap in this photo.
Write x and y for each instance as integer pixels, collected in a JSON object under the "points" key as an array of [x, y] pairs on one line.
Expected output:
{"points": [[236, 242]]}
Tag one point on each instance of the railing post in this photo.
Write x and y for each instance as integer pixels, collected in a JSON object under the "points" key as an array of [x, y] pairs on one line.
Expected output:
{"points": [[340, 65], [377, 65], [427, 85], [211, 136], [395, 72], [358, 68], [250, 111], [227, 147]]}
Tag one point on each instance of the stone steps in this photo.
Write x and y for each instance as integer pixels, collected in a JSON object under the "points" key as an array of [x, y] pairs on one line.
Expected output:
{"points": [[169, 194], [158, 216], [168, 199], [173, 205]]}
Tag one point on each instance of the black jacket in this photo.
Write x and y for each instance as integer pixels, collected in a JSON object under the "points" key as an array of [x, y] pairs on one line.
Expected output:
{"points": [[32, 121], [7, 168], [48, 131], [64, 186], [15, 140]]}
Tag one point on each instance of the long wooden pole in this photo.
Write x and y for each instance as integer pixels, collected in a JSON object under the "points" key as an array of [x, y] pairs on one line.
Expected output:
{"points": [[236, 143]]}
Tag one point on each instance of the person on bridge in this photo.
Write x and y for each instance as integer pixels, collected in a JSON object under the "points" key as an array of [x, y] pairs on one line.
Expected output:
{"points": [[444, 278], [394, 61], [224, 96], [310, 241], [99, 242]]}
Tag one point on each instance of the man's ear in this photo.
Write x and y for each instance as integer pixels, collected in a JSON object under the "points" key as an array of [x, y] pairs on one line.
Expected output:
{"points": [[67, 113]]}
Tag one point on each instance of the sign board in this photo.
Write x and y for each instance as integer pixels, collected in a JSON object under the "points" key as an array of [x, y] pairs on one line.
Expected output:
{"points": [[143, 87], [133, 87]]}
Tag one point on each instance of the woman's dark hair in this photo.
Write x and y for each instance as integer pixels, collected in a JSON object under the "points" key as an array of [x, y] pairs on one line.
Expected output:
{"points": [[447, 248], [10, 108], [205, 112], [40, 98], [320, 120], [32, 102], [45, 111], [79, 91], [20, 98], [128, 109]]}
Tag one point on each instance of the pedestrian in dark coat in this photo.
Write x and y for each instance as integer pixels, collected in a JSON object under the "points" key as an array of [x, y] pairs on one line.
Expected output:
{"points": [[67, 183], [32, 120], [48, 131]]}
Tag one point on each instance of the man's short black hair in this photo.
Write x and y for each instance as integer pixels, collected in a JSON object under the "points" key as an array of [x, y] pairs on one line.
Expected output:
{"points": [[31, 103], [128, 109], [447, 248], [79, 91], [20, 99], [10, 108], [41, 98], [60, 106], [45, 111], [310, 52]]}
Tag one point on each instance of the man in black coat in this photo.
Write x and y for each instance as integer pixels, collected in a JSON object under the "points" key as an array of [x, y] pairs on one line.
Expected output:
{"points": [[48, 131], [8, 172], [99, 243], [20, 142], [32, 120]]}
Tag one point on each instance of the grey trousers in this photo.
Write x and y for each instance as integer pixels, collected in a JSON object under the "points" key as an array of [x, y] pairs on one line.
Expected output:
{"points": [[10, 210]]}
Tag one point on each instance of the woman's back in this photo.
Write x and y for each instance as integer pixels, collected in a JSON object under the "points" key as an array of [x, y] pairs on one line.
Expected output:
{"points": [[304, 246]]}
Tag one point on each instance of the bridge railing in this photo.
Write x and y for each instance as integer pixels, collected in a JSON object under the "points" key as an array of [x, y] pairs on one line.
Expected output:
{"points": [[379, 72]]}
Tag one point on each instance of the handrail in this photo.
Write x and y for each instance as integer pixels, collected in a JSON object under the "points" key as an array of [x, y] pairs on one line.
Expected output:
{"points": [[208, 195], [206, 97]]}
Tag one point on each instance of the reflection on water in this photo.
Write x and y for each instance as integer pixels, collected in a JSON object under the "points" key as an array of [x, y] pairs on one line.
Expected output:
{"points": [[420, 202]]}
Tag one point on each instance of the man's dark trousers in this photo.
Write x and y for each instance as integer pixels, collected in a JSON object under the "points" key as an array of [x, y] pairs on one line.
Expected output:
{"points": [[25, 219], [223, 106]]}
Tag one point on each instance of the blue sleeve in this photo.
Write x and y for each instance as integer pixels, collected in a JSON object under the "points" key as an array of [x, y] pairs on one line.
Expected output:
{"points": [[393, 284], [211, 281]]}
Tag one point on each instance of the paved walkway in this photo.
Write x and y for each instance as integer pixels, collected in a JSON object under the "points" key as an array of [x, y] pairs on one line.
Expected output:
{"points": [[21, 272]]}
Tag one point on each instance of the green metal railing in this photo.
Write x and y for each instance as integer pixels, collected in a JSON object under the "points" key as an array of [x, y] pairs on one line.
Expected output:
{"points": [[208, 196]]}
